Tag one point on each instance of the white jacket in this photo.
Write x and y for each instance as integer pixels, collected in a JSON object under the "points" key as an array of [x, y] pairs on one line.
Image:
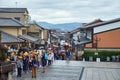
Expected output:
{"points": [[51, 56]]}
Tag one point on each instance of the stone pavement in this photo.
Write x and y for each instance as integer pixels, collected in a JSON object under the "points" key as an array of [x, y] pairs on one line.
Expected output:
{"points": [[77, 70], [101, 74]]}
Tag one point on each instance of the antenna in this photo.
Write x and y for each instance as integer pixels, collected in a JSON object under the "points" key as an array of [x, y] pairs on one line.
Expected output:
{"points": [[16, 4]]}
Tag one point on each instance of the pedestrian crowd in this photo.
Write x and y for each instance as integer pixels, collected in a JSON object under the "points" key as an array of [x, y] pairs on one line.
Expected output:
{"points": [[30, 60]]}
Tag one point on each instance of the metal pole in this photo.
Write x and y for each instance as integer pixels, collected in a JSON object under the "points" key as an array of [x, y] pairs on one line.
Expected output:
{"points": [[0, 37]]}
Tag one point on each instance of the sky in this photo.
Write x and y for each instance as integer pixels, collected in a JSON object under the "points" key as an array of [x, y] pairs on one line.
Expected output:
{"points": [[66, 11]]}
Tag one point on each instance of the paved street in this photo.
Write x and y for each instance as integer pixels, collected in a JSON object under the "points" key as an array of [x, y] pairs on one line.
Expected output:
{"points": [[77, 70]]}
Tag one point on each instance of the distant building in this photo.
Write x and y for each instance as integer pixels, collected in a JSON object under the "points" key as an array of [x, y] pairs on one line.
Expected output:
{"points": [[35, 30], [55, 36], [38, 32]]}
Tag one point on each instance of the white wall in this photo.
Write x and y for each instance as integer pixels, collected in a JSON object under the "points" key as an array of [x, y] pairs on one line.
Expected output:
{"points": [[107, 27]]}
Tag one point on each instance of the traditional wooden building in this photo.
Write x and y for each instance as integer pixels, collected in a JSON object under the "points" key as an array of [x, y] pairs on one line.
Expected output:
{"points": [[14, 21], [20, 14], [106, 34], [12, 26]]}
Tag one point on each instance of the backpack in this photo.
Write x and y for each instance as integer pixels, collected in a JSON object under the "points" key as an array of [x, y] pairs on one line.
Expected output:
{"points": [[46, 55]]}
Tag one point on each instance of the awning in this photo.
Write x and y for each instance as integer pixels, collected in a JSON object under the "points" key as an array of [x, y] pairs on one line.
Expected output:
{"points": [[28, 38]]}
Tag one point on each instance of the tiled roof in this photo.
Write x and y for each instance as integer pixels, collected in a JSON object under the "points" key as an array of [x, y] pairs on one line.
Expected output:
{"points": [[95, 24], [10, 22], [27, 37], [34, 23], [8, 38], [103, 23], [13, 10]]}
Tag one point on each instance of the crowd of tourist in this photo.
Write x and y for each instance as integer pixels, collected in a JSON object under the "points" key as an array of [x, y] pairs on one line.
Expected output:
{"points": [[30, 60]]}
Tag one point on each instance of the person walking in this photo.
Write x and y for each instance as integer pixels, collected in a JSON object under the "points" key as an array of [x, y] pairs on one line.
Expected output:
{"points": [[25, 62], [50, 57], [44, 61], [34, 67], [39, 57], [19, 66], [68, 54]]}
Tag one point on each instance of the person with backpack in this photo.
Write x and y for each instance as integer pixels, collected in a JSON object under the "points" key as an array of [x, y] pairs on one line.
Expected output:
{"points": [[44, 60]]}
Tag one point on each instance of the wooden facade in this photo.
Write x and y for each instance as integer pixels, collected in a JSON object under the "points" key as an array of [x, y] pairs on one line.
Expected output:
{"points": [[107, 39], [106, 35]]}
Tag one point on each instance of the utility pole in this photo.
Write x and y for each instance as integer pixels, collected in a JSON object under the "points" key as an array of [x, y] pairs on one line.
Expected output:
{"points": [[96, 44], [0, 37], [16, 4]]}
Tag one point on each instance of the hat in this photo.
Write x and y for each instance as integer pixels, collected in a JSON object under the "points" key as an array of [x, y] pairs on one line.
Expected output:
{"points": [[35, 53], [25, 54]]}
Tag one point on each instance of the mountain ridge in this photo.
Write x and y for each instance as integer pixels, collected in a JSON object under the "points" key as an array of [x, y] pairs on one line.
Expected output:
{"points": [[62, 26]]}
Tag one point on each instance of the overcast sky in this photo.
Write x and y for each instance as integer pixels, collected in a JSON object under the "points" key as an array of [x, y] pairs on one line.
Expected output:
{"points": [[65, 11]]}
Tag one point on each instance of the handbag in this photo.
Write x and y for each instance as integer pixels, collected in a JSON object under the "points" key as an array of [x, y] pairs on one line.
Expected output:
{"points": [[35, 65]]}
